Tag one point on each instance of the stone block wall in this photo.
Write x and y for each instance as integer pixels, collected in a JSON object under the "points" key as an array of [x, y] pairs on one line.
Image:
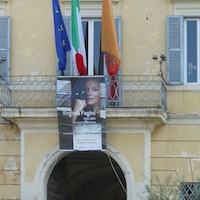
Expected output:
{"points": [[10, 138]]}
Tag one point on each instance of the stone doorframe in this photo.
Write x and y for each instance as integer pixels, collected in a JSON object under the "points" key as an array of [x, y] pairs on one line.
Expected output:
{"points": [[49, 161]]}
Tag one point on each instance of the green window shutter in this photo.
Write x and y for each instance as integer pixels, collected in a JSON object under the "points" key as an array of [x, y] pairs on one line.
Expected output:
{"points": [[175, 49], [4, 47]]}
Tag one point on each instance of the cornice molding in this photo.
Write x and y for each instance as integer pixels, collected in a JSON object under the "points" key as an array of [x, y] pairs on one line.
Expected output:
{"points": [[184, 1], [119, 119], [4, 1], [111, 113], [183, 118], [188, 8], [90, 1], [2, 7], [142, 118], [88, 7]]}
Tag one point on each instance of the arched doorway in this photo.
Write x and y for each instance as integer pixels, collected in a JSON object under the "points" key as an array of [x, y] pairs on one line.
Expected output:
{"points": [[86, 176]]}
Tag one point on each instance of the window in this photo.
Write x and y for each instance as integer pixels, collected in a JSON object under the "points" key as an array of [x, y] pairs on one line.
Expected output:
{"points": [[190, 191], [92, 35], [4, 47], [183, 43], [191, 47]]}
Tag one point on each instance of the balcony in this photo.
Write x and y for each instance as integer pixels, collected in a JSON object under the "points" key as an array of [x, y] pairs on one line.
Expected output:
{"points": [[139, 101], [40, 92]]}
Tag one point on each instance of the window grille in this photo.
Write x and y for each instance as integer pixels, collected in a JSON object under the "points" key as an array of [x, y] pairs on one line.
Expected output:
{"points": [[190, 191]]}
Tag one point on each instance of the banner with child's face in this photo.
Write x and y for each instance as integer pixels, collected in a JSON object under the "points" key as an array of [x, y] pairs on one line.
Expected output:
{"points": [[81, 113]]}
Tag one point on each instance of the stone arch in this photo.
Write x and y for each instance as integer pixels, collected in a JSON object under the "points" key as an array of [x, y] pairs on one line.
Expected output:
{"points": [[55, 155]]}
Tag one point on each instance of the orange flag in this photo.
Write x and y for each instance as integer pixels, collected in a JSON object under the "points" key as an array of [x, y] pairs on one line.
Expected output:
{"points": [[109, 38]]}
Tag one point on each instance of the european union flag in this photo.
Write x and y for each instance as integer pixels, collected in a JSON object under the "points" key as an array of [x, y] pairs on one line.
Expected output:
{"points": [[61, 39]]}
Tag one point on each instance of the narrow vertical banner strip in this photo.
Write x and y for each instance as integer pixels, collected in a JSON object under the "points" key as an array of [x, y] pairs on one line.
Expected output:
{"points": [[79, 54], [109, 38], [61, 38], [109, 46]]}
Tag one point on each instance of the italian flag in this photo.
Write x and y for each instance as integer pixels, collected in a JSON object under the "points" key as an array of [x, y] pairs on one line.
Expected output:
{"points": [[78, 45]]}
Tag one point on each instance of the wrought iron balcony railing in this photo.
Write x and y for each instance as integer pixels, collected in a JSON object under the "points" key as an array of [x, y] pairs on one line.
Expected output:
{"points": [[40, 91]]}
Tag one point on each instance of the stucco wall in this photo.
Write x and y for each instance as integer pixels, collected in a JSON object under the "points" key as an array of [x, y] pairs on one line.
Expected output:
{"points": [[174, 148], [183, 100], [32, 35], [37, 147], [175, 151], [143, 34], [131, 146]]}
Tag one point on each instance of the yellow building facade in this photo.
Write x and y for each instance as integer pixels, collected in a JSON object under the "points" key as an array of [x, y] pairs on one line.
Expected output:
{"points": [[143, 135]]}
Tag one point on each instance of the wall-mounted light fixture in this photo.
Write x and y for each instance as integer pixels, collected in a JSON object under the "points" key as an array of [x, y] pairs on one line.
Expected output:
{"points": [[2, 59], [162, 59]]}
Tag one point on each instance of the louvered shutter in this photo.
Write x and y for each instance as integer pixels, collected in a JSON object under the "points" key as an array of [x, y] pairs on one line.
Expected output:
{"points": [[4, 47], [175, 49]]}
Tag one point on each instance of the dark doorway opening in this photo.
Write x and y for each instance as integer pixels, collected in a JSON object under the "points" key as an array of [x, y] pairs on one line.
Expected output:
{"points": [[86, 176]]}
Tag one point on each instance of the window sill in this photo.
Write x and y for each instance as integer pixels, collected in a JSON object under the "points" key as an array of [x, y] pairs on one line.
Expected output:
{"points": [[183, 87]]}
